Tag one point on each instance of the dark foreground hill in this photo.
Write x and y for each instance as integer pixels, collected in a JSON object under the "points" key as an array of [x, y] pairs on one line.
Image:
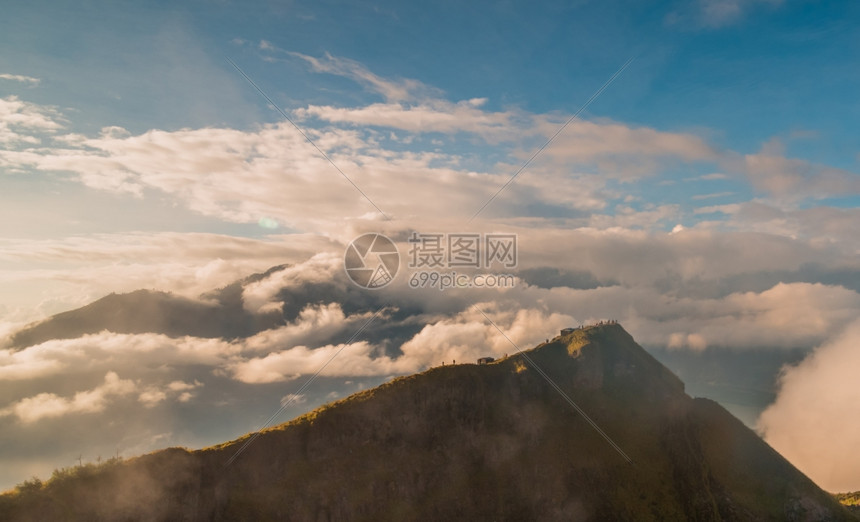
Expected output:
{"points": [[469, 442]]}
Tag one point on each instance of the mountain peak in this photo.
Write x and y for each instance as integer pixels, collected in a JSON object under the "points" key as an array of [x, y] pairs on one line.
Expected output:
{"points": [[470, 441], [605, 355]]}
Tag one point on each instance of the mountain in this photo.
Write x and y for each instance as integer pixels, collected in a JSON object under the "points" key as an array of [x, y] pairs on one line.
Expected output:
{"points": [[468, 442], [217, 314]]}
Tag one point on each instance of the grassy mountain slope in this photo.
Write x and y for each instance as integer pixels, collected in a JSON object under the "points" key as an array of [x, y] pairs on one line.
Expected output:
{"points": [[469, 442]]}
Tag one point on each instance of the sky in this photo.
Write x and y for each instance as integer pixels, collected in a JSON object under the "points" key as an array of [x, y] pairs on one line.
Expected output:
{"points": [[691, 169]]}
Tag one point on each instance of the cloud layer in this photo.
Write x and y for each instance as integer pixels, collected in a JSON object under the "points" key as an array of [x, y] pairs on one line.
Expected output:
{"points": [[813, 422], [756, 259]]}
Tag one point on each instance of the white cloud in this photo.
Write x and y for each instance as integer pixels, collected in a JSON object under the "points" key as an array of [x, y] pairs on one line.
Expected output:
{"points": [[20, 120], [469, 335], [49, 405], [732, 208], [698, 197], [794, 179], [152, 397], [314, 324], [30, 364], [623, 151], [273, 173], [398, 90], [466, 337], [180, 390], [319, 268], [786, 315], [691, 259], [20, 78], [272, 176], [103, 350], [819, 225], [77, 270], [294, 398], [352, 359], [429, 116], [813, 422], [63, 356], [694, 342]]}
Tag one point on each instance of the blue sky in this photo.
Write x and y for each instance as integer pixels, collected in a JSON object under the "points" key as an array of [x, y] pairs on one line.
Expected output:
{"points": [[784, 65], [711, 191], [736, 73]]}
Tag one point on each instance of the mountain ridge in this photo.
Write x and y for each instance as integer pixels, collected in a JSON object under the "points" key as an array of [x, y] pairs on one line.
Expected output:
{"points": [[217, 313], [482, 442]]}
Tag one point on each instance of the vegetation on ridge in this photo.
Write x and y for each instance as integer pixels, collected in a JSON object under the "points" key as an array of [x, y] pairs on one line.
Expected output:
{"points": [[479, 442]]}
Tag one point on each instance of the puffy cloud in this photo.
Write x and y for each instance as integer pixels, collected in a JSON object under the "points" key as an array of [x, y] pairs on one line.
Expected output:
{"points": [[20, 119], [785, 316], [314, 324], [270, 173], [135, 351], [440, 327], [812, 422], [294, 398], [151, 397], [271, 176], [694, 342], [469, 335], [320, 268], [352, 359], [180, 390], [48, 405], [28, 364], [77, 270], [657, 276], [106, 349], [465, 336], [643, 258], [740, 284]]}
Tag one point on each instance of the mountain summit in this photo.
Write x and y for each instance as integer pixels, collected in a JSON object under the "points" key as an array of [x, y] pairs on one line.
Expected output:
{"points": [[469, 442]]}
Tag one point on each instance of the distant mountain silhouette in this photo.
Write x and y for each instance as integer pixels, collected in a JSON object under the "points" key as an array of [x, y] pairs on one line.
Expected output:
{"points": [[468, 442], [217, 314]]}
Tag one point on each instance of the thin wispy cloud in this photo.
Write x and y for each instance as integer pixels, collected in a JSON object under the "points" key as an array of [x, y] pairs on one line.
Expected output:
{"points": [[401, 90], [717, 14], [29, 80], [699, 197]]}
